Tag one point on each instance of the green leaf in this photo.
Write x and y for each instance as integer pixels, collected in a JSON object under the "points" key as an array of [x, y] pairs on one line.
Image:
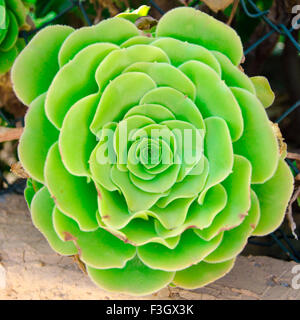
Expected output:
{"points": [[75, 127], [258, 143], [182, 51], [75, 81], [237, 187], [218, 150], [134, 279], [211, 88], [38, 136], [190, 250], [188, 24], [123, 93], [72, 195], [99, 248], [202, 274], [273, 197], [35, 69], [12, 33], [235, 240], [232, 75], [115, 31], [165, 75], [263, 90], [42, 207]]}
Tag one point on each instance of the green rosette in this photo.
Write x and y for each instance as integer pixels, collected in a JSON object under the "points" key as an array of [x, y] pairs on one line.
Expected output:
{"points": [[140, 215]]}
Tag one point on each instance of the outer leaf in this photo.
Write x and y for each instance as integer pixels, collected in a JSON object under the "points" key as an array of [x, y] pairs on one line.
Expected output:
{"points": [[99, 248], [237, 186], [134, 279], [263, 90], [190, 250], [75, 81], [75, 156], [273, 197], [42, 207], [115, 30], [38, 136], [234, 240], [258, 143], [72, 195], [35, 68], [202, 274], [191, 25]]}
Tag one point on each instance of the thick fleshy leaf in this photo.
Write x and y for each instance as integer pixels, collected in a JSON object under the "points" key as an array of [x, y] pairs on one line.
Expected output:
{"points": [[102, 159], [159, 184], [72, 195], [232, 75], [202, 216], [118, 61], [75, 81], [198, 216], [123, 93], [258, 143], [173, 215], [180, 105], [182, 51], [136, 198], [273, 197], [234, 240], [4, 21], [12, 33], [42, 207], [99, 248], [202, 274], [136, 40], [134, 279], [34, 70], [263, 90], [115, 30], [32, 187], [76, 141], [113, 209], [190, 250], [189, 187], [189, 142], [188, 24], [140, 231], [218, 150], [124, 133], [211, 88], [19, 9], [156, 112], [237, 187], [38, 136], [165, 75]]}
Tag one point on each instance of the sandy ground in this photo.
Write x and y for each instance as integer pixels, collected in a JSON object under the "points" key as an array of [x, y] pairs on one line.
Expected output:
{"points": [[29, 269]]}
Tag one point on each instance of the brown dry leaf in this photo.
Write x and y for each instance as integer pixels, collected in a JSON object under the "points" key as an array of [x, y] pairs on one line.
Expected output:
{"points": [[79, 263], [282, 145], [217, 5], [18, 170], [8, 99], [9, 134]]}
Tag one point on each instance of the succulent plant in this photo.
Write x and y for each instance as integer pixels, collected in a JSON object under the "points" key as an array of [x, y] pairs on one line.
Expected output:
{"points": [[114, 177], [12, 19]]}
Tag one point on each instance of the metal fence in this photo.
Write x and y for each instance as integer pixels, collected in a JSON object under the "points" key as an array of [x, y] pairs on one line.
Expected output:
{"points": [[279, 237]]}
